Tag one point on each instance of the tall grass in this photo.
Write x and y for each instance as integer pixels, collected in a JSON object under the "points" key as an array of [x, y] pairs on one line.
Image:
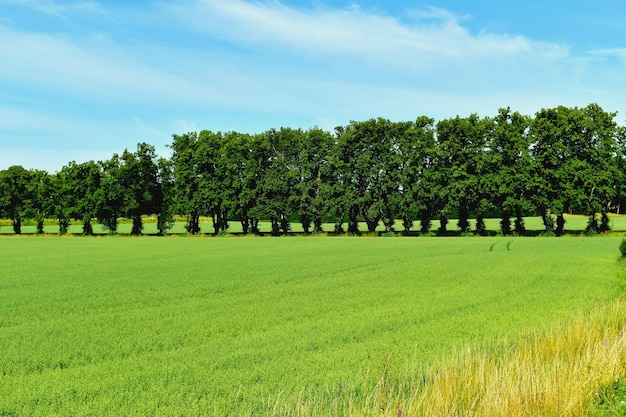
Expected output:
{"points": [[554, 373]]}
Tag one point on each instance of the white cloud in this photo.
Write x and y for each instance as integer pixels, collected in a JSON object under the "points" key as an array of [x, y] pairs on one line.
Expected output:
{"points": [[52, 8], [610, 53], [431, 36], [90, 68]]}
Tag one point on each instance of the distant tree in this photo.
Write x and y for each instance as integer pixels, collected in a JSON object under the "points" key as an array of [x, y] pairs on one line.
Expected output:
{"points": [[39, 198], [83, 182], [575, 152], [139, 178], [64, 200], [462, 142], [311, 154], [241, 187], [416, 152], [165, 217], [187, 194], [281, 174], [213, 182], [334, 183], [111, 198], [352, 157], [593, 166], [253, 197], [619, 201], [366, 152], [14, 183], [511, 181]]}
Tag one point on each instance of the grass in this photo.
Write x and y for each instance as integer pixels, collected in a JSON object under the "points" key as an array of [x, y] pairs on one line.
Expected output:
{"points": [[262, 326], [610, 400]]}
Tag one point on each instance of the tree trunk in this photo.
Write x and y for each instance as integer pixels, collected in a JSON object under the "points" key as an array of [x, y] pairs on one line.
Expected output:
{"points": [[372, 224], [548, 222], [424, 221], [284, 224], [64, 225], [443, 222], [40, 226], [407, 223], [389, 222], [224, 225], [245, 222], [137, 225], [353, 223], [87, 227], [463, 223], [317, 228], [305, 220], [193, 224], [481, 229], [505, 223], [339, 223], [254, 226], [17, 225], [604, 223], [519, 222], [275, 226], [560, 224]]}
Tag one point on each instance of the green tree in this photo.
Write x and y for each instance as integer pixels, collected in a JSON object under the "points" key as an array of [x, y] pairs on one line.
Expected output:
{"points": [[139, 177], [252, 199], [462, 143], [311, 152], [366, 153], [619, 201], [165, 217], [39, 198], [14, 182], [575, 152], [511, 183], [280, 175], [213, 178], [241, 187], [416, 151], [593, 166], [187, 196], [83, 182], [64, 200], [111, 198]]}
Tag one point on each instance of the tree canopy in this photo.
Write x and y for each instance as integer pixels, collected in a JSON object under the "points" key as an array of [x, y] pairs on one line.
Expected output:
{"points": [[561, 160]]}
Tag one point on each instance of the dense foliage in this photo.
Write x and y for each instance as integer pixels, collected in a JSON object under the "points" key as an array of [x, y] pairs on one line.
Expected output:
{"points": [[562, 160]]}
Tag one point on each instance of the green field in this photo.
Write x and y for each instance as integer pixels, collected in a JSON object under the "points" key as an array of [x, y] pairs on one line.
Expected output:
{"points": [[230, 326]]}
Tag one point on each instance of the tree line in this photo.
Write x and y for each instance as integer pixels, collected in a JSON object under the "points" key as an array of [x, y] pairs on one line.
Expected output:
{"points": [[560, 160]]}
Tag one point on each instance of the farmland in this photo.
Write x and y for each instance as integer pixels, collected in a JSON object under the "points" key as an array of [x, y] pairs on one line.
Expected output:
{"points": [[251, 325]]}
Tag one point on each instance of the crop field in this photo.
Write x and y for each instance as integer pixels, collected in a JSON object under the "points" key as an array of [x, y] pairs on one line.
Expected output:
{"points": [[137, 326]]}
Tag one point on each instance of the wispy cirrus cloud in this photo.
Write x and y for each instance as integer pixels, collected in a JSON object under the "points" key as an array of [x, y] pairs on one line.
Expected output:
{"points": [[430, 35], [610, 53], [56, 9]]}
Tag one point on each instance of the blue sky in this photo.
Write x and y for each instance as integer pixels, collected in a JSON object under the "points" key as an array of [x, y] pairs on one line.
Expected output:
{"points": [[81, 80]]}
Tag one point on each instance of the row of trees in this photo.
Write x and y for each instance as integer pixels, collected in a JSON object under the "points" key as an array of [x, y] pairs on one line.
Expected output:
{"points": [[561, 160]]}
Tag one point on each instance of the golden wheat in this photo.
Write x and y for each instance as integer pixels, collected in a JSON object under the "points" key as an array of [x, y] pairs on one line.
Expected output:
{"points": [[555, 373]]}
